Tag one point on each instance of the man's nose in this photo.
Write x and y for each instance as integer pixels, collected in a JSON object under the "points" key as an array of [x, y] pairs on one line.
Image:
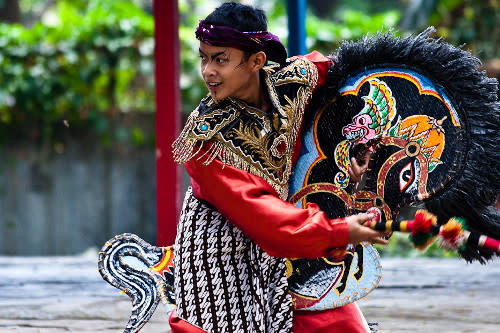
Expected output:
{"points": [[207, 69]]}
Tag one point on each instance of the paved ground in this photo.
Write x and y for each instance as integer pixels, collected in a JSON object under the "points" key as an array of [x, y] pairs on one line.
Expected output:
{"points": [[67, 294], [435, 295]]}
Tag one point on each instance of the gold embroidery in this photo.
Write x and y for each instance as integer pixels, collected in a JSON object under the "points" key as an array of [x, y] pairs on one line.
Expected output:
{"points": [[256, 113], [279, 146], [194, 131], [259, 143], [214, 122], [255, 146], [184, 144], [299, 71]]}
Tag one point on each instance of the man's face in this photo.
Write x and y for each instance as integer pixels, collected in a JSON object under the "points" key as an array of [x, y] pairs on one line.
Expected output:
{"points": [[225, 71]]}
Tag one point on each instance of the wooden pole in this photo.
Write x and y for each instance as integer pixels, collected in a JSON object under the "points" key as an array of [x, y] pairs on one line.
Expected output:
{"points": [[168, 115]]}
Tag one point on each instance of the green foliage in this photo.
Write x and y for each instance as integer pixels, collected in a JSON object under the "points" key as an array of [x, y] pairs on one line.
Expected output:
{"points": [[192, 86], [470, 22], [95, 60], [326, 35]]}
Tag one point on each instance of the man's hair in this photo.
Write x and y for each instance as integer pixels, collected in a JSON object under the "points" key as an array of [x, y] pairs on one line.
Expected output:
{"points": [[241, 17]]}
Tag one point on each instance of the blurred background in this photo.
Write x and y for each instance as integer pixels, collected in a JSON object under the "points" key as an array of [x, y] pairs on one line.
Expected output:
{"points": [[77, 104]]}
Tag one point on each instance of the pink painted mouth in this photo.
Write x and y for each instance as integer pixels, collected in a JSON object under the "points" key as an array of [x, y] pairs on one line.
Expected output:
{"points": [[359, 131]]}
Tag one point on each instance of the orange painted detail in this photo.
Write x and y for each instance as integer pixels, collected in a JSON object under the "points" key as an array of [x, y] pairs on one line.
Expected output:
{"points": [[166, 261], [429, 131]]}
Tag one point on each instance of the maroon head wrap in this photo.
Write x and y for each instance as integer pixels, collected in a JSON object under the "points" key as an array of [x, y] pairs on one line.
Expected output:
{"points": [[255, 41]]}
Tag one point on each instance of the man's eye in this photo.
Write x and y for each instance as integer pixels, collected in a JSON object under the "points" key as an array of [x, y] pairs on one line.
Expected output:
{"points": [[221, 60]]}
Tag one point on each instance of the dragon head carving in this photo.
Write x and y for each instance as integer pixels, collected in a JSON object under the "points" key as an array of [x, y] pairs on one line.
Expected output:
{"points": [[375, 118]]}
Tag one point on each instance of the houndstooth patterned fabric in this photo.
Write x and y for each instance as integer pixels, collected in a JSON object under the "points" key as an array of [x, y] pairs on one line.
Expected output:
{"points": [[223, 281]]}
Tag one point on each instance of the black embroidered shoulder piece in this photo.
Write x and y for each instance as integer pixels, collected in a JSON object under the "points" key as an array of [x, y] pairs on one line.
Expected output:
{"points": [[247, 138]]}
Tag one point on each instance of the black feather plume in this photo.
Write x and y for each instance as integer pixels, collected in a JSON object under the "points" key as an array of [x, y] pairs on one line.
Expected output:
{"points": [[474, 188]]}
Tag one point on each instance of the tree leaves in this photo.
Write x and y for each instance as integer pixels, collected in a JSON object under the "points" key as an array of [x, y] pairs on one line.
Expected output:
{"points": [[96, 60]]}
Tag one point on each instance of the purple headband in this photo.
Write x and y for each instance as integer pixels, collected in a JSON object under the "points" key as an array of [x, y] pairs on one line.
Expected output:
{"points": [[218, 35]]}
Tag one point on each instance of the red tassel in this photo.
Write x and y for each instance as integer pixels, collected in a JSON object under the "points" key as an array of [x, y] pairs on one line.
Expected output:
{"points": [[421, 235], [423, 222], [451, 230]]}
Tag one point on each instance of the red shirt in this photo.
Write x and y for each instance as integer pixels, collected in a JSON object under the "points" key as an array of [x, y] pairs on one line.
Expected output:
{"points": [[251, 204]]}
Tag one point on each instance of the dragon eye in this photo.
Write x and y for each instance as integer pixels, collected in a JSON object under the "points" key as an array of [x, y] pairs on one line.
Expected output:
{"points": [[361, 121], [406, 177]]}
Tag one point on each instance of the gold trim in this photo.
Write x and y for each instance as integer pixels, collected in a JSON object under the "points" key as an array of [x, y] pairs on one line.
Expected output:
{"points": [[412, 144], [252, 148]]}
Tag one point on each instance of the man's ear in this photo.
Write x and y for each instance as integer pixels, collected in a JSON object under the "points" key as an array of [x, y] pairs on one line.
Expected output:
{"points": [[257, 61]]}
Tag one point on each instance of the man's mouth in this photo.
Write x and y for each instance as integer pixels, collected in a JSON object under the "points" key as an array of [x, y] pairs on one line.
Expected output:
{"points": [[213, 85]]}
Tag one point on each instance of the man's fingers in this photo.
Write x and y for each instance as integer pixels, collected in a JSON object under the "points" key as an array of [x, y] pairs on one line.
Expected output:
{"points": [[356, 171], [359, 169], [366, 160], [365, 217], [360, 233], [354, 165], [378, 238], [354, 176]]}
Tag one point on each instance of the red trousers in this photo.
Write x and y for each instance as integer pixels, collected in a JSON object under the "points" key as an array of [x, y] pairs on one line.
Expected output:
{"points": [[347, 319]]}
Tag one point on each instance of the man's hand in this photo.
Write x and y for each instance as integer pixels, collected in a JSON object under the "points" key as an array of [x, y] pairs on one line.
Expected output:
{"points": [[356, 171], [359, 233]]}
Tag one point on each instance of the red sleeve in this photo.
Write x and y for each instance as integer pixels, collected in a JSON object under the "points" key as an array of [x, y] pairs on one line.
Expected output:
{"points": [[252, 205]]}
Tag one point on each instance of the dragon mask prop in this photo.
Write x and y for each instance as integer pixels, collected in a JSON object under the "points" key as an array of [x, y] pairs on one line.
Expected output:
{"points": [[431, 118]]}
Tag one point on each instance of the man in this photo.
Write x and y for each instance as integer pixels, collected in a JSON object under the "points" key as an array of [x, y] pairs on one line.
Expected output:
{"points": [[239, 147]]}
